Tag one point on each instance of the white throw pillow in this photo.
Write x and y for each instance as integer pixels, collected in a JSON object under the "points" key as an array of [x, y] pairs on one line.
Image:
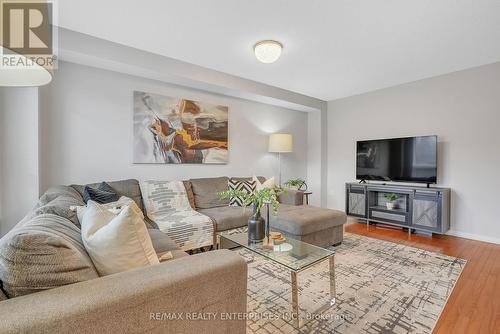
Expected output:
{"points": [[269, 183], [116, 242]]}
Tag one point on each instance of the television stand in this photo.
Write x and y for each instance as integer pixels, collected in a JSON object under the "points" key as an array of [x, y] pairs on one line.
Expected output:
{"points": [[417, 208]]}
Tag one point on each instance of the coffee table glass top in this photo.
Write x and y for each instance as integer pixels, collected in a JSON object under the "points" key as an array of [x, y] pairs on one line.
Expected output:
{"points": [[294, 254]]}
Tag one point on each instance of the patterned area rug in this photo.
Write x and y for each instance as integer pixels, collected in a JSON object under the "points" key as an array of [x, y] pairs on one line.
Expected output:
{"points": [[382, 287]]}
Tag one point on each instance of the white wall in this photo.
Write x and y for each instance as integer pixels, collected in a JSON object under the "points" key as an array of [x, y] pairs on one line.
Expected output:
{"points": [[86, 131], [317, 157], [18, 154], [314, 157], [462, 108]]}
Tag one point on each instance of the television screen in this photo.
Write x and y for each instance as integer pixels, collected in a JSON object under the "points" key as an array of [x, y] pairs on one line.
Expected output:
{"points": [[412, 159]]}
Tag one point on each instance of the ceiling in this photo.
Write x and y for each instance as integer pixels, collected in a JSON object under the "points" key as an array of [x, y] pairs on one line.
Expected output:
{"points": [[332, 49]]}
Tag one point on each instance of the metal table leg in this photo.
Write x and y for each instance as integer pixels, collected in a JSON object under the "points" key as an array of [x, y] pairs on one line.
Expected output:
{"points": [[295, 293], [295, 300], [333, 292], [217, 241]]}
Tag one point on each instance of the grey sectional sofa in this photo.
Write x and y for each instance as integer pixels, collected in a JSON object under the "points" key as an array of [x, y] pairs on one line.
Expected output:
{"points": [[49, 284], [44, 253]]}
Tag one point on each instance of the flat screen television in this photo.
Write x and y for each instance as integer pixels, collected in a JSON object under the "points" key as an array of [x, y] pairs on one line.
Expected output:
{"points": [[412, 159]]}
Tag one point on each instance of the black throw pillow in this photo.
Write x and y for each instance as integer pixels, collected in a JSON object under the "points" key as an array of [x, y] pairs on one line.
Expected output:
{"points": [[106, 187], [102, 195]]}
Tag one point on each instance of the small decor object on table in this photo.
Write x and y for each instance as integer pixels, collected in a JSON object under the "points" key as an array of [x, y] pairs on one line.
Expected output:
{"points": [[256, 224], [277, 238], [275, 241], [275, 235], [391, 198]]}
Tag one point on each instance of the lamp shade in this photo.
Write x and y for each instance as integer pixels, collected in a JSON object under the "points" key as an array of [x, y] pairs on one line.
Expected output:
{"points": [[24, 72], [280, 143]]}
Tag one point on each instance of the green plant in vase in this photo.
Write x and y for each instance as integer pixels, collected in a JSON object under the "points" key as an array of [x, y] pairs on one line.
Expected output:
{"points": [[298, 184], [256, 224], [391, 198]]}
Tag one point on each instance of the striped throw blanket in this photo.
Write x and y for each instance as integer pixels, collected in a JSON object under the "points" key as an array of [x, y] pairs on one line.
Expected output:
{"points": [[166, 203]]}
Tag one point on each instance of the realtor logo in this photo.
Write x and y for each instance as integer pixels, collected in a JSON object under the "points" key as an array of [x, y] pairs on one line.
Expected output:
{"points": [[27, 34], [27, 27]]}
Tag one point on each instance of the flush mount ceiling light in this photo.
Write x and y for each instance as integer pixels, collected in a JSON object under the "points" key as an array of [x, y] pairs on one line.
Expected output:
{"points": [[268, 51]]}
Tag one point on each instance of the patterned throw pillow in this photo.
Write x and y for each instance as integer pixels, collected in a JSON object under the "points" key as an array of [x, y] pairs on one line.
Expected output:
{"points": [[246, 186], [102, 195], [267, 184]]}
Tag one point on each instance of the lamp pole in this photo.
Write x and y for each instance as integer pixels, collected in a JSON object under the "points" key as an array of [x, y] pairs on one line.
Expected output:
{"points": [[279, 163]]}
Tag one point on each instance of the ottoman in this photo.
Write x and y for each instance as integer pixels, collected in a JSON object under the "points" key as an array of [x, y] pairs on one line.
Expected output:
{"points": [[314, 225]]}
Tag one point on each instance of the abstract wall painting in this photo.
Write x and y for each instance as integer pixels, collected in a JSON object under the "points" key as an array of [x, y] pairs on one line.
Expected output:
{"points": [[171, 130]]}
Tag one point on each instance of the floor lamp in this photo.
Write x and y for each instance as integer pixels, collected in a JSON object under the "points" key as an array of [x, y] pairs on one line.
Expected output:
{"points": [[280, 143]]}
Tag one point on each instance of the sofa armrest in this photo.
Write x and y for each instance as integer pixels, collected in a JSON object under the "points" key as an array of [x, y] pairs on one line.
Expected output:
{"points": [[163, 298], [292, 197]]}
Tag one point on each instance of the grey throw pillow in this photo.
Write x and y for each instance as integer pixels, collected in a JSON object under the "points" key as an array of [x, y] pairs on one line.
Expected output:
{"points": [[206, 191]]}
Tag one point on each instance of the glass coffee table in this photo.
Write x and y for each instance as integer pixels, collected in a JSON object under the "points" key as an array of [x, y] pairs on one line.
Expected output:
{"points": [[293, 254]]}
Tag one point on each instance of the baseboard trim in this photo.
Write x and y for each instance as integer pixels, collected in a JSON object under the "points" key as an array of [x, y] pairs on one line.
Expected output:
{"points": [[474, 236]]}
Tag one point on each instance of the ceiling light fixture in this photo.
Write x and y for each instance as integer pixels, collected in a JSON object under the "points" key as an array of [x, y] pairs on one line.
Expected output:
{"points": [[268, 51]]}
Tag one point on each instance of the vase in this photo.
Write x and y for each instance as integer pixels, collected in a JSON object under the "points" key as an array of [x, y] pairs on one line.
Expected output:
{"points": [[256, 226]]}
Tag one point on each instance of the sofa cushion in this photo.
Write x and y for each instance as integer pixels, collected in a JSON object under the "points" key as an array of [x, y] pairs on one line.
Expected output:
{"points": [[228, 217], [205, 192], [129, 188], [190, 195], [306, 219], [291, 197], [162, 243], [178, 253], [44, 252]]}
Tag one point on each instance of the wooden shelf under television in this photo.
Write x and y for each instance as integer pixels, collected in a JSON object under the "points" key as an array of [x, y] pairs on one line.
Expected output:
{"points": [[383, 208]]}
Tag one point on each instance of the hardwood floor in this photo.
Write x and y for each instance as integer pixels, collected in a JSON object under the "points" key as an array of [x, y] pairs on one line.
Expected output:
{"points": [[474, 305]]}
